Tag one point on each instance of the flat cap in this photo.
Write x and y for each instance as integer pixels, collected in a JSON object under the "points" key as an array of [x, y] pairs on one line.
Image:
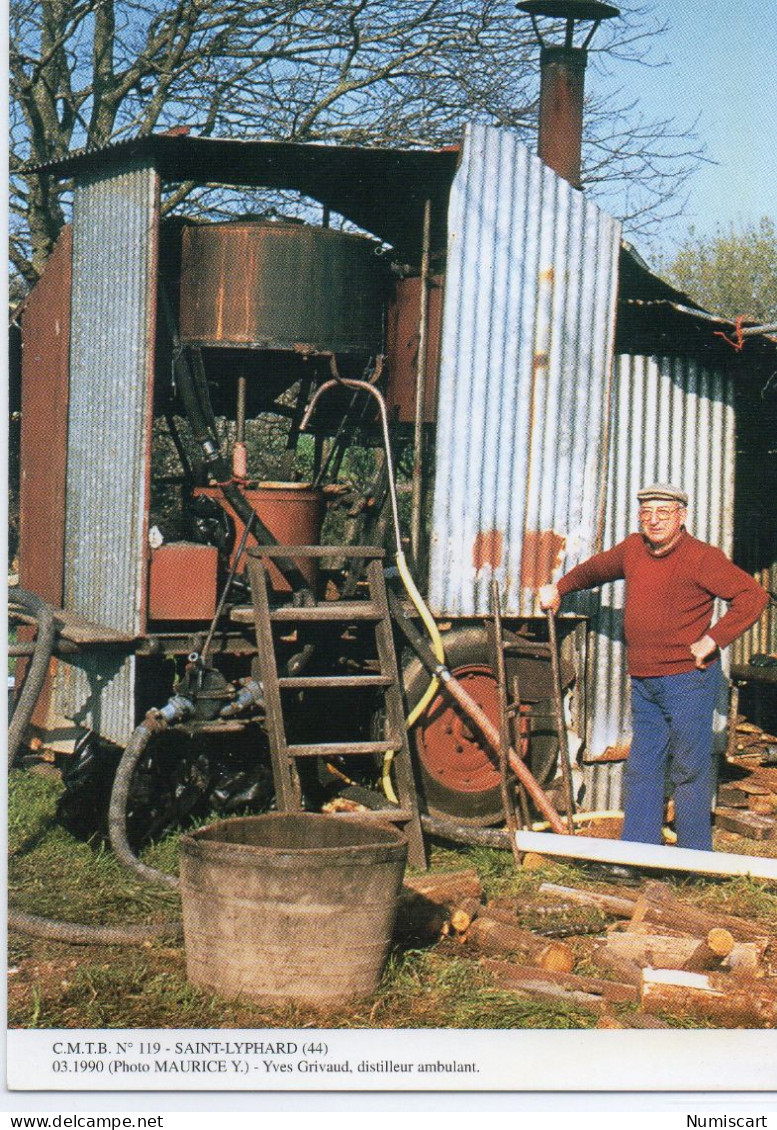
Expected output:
{"points": [[662, 492]]}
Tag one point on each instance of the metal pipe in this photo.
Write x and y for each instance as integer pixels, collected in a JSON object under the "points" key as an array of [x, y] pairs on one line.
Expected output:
{"points": [[420, 390], [633, 854], [225, 592], [561, 725], [562, 83], [470, 708], [239, 454]]}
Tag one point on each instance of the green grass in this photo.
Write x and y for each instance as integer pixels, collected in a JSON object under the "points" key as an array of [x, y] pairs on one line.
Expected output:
{"points": [[443, 986]]}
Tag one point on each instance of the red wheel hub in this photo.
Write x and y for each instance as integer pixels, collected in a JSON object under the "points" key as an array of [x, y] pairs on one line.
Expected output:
{"points": [[449, 745]]}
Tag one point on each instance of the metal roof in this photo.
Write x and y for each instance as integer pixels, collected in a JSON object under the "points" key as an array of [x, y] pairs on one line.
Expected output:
{"points": [[381, 190]]}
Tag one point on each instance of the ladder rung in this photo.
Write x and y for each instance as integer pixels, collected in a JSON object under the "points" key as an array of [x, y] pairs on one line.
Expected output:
{"points": [[335, 610], [344, 749], [337, 682]]}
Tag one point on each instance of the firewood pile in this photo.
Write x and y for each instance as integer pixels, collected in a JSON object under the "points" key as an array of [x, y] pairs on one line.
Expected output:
{"points": [[646, 947], [747, 797]]}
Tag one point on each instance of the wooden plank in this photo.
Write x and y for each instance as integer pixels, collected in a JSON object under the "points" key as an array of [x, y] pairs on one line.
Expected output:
{"points": [[745, 823], [333, 682], [287, 791], [570, 987], [396, 729], [332, 612], [357, 551], [341, 749]]}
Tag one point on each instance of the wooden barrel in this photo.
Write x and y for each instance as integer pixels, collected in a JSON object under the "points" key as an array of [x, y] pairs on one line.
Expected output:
{"points": [[290, 907]]}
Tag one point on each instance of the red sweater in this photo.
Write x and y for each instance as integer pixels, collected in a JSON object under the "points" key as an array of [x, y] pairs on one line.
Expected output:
{"points": [[669, 599]]}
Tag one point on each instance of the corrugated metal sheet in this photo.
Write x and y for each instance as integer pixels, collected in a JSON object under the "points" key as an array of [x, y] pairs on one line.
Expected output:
{"points": [[762, 637], [524, 378], [112, 332], [672, 421]]}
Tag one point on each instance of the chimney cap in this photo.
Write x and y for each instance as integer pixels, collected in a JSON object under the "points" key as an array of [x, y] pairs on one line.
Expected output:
{"points": [[569, 9]]}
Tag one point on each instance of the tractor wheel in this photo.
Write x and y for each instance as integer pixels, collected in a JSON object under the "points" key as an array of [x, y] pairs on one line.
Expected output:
{"points": [[459, 773]]}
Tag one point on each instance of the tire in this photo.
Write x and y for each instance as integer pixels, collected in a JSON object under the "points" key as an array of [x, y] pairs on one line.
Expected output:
{"points": [[458, 774]]}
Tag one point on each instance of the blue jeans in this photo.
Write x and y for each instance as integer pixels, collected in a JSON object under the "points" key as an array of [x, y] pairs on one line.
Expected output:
{"points": [[672, 742]]}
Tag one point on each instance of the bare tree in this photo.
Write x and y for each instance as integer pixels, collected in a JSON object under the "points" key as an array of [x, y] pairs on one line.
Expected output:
{"points": [[404, 72]]}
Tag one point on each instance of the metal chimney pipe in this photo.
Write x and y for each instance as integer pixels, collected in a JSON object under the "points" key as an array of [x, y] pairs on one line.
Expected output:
{"points": [[562, 81]]}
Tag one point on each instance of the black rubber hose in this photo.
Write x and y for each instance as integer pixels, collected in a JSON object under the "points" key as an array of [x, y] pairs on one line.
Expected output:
{"points": [[117, 812], [76, 933], [38, 669]]}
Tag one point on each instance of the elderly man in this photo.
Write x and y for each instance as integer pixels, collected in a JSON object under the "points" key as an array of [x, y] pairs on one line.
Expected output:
{"points": [[672, 650]]}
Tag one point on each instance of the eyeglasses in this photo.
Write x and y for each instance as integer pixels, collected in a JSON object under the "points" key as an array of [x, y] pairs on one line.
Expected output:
{"points": [[661, 513]]}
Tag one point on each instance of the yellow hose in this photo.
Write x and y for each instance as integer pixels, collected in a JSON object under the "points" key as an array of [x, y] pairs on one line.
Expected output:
{"points": [[434, 634], [607, 814], [439, 651]]}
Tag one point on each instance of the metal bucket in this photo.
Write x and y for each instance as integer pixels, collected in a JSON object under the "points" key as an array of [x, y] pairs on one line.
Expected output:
{"points": [[290, 907]]}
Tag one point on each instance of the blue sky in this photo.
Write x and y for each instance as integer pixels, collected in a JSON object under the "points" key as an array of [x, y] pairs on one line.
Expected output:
{"points": [[722, 68]]}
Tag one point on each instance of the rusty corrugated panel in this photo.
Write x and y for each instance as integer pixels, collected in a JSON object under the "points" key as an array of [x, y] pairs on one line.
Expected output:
{"points": [[672, 421], [43, 460], [402, 343], [115, 235], [524, 378]]}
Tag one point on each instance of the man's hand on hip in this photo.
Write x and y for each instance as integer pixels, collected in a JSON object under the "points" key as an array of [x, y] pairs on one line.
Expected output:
{"points": [[549, 598], [702, 650]]}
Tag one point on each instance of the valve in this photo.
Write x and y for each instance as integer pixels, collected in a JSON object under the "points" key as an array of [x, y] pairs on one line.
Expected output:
{"points": [[250, 694]]}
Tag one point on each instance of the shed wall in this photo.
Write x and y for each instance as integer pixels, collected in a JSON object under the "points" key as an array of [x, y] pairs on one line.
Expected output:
{"points": [[115, 235], [524, 383]]}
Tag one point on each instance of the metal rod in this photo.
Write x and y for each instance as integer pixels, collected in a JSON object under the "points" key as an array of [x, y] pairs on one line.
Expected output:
{"points": [[517, 736], [508, 796], [227, 587], [420, 390], [561, 726]]}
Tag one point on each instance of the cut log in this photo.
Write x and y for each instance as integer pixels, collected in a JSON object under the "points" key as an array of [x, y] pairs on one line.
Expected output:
{"points": [[663, 951], [667, 909], [731, 796], [425, 903], [745, 959], [732, 1002], [542, 984], [496, 938], [745, 823], [753, 788], [620, 905], [532, 861], [447, 888], [626, 970], [464, 914], [764, 804]]}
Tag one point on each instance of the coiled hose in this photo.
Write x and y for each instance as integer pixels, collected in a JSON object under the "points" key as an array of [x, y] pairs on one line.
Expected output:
{"points": [[43, 613], [74, 933], [117, 812]]}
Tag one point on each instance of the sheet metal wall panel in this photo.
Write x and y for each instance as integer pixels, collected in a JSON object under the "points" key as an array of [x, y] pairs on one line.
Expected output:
{"points": [[524, 378], [43, 456], [762, 637], [115, 232], [672, 421]]}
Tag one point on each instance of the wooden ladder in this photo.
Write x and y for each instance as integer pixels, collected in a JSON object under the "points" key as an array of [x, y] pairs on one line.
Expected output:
{"points": [[371, 611]]}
